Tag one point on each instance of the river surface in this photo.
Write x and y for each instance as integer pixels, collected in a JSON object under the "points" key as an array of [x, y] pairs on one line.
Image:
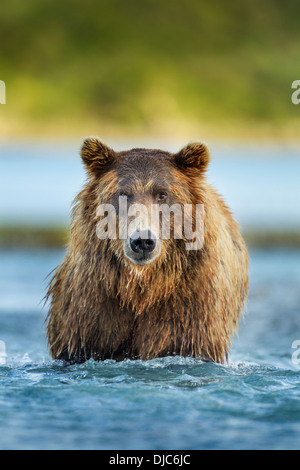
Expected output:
{"points": [[170, 403]]}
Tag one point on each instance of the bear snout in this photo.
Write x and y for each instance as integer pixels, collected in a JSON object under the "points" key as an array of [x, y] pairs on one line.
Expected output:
{"points": [[142, 247], [143, 242]]}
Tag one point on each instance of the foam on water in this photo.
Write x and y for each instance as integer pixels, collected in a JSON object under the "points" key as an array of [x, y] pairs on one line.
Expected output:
{"points": [[169, 403]]}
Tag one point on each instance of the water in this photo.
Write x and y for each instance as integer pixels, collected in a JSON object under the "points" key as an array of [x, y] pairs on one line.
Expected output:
{"points": [[169, 403], [260, 184]]}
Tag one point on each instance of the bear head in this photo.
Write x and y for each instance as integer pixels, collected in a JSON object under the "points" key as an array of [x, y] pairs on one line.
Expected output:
{"points": [[141, 196]]}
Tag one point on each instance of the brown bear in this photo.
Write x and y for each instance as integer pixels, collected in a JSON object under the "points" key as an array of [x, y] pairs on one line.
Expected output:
{"points": [[144, 297]]}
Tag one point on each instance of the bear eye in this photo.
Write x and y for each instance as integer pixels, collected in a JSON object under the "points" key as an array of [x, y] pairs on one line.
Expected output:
{"points": [[162, 196]]}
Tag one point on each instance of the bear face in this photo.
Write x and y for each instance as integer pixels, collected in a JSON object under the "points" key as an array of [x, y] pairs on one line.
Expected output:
{"points": [[154, 188]]}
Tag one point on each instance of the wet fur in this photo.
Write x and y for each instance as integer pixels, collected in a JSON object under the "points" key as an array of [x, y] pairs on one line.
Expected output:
{"points": [[185, 303]]}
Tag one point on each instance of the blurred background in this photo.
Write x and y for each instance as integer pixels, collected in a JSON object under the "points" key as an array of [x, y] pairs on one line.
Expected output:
{"points": [[194, 69], [151, 74], [158, 74]]}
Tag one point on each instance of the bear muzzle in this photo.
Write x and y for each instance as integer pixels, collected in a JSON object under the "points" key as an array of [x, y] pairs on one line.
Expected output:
{"points": [[142, 247]]}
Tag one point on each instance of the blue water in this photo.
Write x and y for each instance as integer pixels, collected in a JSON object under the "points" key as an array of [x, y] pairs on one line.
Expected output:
{"points": [[170, 403], [260, 183]]}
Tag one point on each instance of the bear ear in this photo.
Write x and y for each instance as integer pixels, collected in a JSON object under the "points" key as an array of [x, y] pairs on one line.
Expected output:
{"points": [[96, 156], [193, 156]]}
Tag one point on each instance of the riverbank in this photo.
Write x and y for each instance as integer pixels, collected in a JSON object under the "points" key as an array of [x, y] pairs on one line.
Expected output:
{"points": [[176, 129], [12, 237]]}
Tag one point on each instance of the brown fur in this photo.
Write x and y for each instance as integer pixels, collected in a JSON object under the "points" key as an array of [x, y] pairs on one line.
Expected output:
{"points": [[186, 302]]}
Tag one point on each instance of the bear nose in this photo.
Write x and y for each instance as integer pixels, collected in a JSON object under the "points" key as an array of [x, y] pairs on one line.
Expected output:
{"points": [[143, 242]]}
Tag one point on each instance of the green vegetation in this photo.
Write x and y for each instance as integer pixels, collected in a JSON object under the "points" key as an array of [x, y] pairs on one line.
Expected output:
{"points": [[57, 237], [150, 66], [33, 237]]}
